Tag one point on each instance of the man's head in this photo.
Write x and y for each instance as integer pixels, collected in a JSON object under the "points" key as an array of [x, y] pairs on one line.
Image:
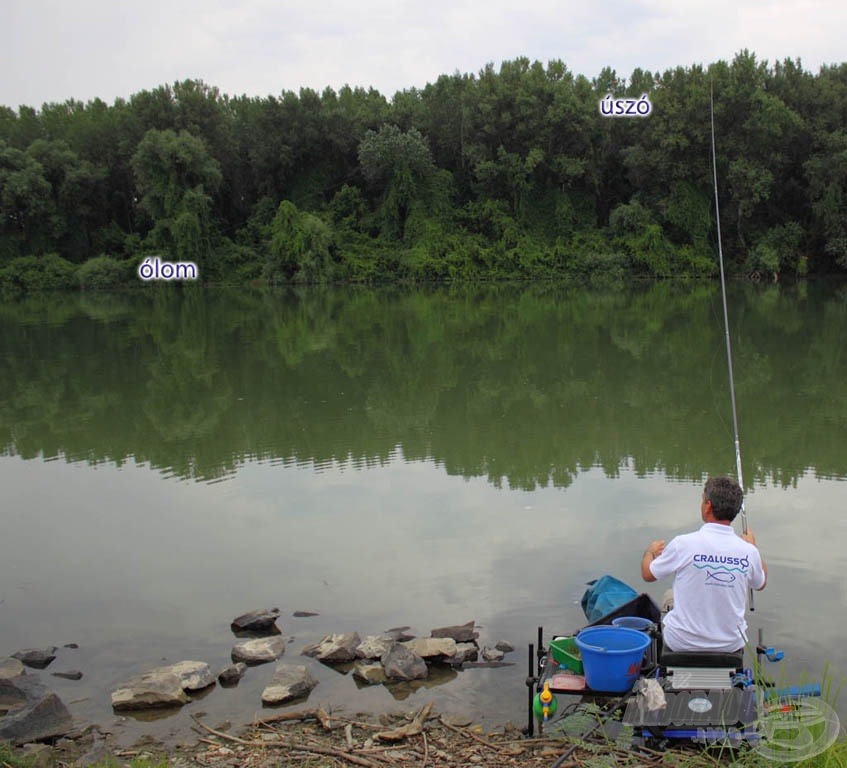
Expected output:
{"points": [[724, 497]]}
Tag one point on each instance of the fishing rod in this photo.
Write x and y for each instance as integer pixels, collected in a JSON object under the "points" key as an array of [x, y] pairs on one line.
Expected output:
{"points": [[726, 322]]}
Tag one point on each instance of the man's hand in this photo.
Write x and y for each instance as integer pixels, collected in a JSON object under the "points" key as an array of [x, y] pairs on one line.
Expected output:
{"points": [[751, 539], [657, 547], [650, 554]]}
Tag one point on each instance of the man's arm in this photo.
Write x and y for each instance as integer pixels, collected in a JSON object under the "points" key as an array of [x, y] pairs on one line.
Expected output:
{"points": [[751, 539], [650, 554]]}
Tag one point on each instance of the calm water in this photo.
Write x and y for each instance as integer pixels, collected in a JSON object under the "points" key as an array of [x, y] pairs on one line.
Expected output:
{"points": [[400, 457]]}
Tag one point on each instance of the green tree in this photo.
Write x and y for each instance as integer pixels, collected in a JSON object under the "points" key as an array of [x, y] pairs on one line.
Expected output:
{"points": [[827, 175], [77, 195], [396, 164], [299, 248], [26, 209], [510, 176], [174, 173]]}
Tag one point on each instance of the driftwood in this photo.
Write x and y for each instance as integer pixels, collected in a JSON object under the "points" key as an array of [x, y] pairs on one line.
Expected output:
{"points": [[312, 749], [470, 735], [410, 729]]}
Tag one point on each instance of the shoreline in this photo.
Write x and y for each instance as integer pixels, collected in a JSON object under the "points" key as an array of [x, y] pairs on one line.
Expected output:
{"points": [[322, 739]]}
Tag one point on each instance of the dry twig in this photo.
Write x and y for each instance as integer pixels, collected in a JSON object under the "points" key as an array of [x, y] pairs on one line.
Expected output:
{"points": [[314, 749], [470, 735], [410, 729]]}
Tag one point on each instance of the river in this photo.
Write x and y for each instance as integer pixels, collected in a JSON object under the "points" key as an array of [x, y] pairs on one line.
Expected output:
{"points": [[401, 456]]}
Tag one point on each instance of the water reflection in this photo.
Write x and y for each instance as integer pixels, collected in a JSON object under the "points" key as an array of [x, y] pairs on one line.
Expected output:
{"points": [[522, 386]]}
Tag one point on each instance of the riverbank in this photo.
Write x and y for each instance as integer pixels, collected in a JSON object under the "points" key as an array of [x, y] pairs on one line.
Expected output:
{"points": [[312, 737], [319, 739], [315, 738]]}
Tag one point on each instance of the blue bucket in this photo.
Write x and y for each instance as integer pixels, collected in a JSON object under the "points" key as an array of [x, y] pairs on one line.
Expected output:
{"points": [[611, 657], [633, 622]]}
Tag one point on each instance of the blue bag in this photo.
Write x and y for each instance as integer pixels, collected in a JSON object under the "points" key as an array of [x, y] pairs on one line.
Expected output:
{"points": [[604, 595]]}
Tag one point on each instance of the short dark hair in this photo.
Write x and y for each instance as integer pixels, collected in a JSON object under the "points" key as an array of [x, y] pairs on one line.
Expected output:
{"points": [[726, 497]]}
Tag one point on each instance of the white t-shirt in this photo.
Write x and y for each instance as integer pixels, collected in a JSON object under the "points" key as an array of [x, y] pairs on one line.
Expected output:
{"points": [[713, 571]]}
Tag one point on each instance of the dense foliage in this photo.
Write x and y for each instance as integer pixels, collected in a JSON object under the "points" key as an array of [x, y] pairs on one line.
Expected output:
{"points": [[508, 173]]}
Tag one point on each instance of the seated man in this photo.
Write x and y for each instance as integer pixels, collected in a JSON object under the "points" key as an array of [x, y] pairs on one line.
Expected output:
{"points": [[713, 570]]}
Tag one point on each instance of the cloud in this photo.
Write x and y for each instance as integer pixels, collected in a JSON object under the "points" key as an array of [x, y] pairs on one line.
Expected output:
{"points": [[93, 48]]}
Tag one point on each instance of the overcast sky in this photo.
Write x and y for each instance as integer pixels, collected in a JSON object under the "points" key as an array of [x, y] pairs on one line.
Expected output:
{"points": [[52, 50]]}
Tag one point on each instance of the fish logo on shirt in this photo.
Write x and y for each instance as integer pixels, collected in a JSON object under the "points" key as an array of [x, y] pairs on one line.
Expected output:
{"points": [[721, 576]]}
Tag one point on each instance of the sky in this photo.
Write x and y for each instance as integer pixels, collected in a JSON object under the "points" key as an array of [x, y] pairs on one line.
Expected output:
{"points": [[52, 51]]}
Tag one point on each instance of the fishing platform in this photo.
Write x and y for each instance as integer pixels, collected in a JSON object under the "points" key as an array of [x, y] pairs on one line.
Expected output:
{"points": [[653, 698]]}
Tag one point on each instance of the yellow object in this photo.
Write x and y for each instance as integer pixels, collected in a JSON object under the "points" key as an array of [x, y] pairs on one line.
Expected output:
{"points": [[544, 705]]}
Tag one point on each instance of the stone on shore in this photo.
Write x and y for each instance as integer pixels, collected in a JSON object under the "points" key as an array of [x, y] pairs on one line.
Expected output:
{"points": [[432, 648], [71, 674], [374, 646], [259, 650], [37, 658], [369, 672], [231, 674], [400, 634], [35, 713], [193, 675], [505, 646], [256, 621], [151, 690], [334, 649], [402, 664], [290, 681], [492, 654], [466, 652], [11, 668], [463, 633]]}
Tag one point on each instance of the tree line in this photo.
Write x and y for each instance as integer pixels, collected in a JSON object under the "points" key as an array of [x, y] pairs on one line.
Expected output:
{"points": [[513, 172]]}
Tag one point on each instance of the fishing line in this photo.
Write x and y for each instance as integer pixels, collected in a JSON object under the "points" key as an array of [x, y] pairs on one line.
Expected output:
{"points": [[726, 319]]}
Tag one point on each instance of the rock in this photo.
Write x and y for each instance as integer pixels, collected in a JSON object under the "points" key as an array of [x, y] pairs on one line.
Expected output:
{"points": [[402, 664], [38, 755], [457, 720], [152, 689], [466, 652], [463, 633], [503, 645], [194, 675], [259, 650], [35, 712], [400, 634], [492, 654], [290, 681], [232, 674], [334, 649], [370, 672], [304, 614], [373, 646], [11, 668], [256, 621], [38, 658], [71, 674], [432, 648]]}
